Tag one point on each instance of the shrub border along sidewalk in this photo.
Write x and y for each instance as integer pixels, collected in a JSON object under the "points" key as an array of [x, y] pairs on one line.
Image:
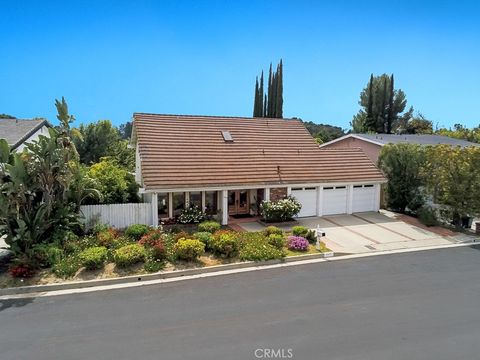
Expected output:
{"points": [[159, 275]]}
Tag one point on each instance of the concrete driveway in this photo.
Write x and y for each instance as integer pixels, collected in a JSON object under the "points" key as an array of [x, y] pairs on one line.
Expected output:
{"points": [[366, 232]]}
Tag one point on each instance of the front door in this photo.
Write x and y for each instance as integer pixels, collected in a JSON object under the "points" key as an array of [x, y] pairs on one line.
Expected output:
{"points": [[238, 203]]}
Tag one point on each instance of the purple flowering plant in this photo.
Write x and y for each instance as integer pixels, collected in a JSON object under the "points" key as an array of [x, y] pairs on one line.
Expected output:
{"points": [[297, 243]]}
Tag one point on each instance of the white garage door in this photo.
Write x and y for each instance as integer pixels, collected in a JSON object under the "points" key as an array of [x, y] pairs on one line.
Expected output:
{"points": [[334, 200], [363, 198], [308, 198]]}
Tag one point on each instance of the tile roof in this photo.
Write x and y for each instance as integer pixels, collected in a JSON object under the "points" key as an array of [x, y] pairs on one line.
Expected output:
{"points": [[15, 131], [421, 139], [179, 151]]}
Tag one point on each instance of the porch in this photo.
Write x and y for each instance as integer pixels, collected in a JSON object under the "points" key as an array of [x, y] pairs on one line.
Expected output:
{"points": [[226, 205]]}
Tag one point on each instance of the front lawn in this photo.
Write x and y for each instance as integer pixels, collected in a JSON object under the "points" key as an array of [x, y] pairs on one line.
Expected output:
{"points": [[109, 253]]}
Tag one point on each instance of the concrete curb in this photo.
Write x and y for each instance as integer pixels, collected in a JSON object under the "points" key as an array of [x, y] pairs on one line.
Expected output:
{"points": [[155, 276]]}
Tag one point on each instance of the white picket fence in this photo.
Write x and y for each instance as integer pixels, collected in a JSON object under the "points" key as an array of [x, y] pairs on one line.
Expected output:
{"points": [[117, 215]]}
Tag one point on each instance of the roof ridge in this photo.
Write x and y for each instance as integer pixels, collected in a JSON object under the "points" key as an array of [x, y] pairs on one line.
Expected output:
{"points": [[213, 116]]}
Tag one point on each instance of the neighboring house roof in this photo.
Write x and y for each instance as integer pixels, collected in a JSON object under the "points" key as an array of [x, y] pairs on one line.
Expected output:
{"points": [[16, 131], [421, 139], [194, 151]]}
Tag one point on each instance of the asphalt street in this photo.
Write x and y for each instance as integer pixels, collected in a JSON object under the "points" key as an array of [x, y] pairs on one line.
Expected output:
{"points": [[422, 305]]}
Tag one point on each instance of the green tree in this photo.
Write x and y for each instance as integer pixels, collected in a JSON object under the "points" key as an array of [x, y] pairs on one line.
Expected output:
{"points": [[419, 124], [97, 140], [83, 188], [125, 130], [383, 107], [115, 183], [402, 165], [453, 179], [461, 132], [122, 154]]}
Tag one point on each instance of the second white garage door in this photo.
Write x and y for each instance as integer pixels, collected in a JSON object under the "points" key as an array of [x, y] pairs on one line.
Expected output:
{"points": [[308, 198], [363, 198], [334, 200]]}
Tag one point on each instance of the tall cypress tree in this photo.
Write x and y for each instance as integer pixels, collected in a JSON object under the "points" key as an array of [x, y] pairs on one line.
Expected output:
{"points": [[269, 103], [370, 122], [270, 93], [390, 114], [260, 97], [382, 117], [279, 92], [274, 95]]}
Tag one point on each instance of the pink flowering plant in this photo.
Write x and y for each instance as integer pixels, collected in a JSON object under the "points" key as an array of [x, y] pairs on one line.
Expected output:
{"points": [[297, 243]]}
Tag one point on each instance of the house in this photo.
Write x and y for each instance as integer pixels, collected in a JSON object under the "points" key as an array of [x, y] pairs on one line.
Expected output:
{"points": [[228, 165], [371, 144], [18, 132]]}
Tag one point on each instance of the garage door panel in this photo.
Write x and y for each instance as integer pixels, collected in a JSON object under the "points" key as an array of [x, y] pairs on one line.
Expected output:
{"points": [[308, 199], [363, 199], [334, 201]]}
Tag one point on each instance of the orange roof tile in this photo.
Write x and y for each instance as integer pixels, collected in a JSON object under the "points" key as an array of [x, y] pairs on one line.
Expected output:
{"points": [[179, 151]]}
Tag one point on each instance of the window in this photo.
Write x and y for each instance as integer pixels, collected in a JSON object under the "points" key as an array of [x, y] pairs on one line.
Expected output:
{"points": [[370, 186], [296, 189], [341, 187], [178, 203], [357, 186], [328, 188], [310, 188], [196, 199], [211, 199], [162, 205]]}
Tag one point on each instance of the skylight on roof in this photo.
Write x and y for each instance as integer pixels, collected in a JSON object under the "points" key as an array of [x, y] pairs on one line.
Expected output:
{"points": [[227, 137]]}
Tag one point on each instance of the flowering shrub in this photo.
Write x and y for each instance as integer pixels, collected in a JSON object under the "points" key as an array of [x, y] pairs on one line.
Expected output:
{"points": [[225, 243], [46, 255], [21, 271], [94, 257], [276, 240], [281, 210], [67, 267], [136, 231], [204, 237], [299, 230], [153, 242], [297, 243], [188, 249], [209, 226], [308, 234], [105, 238], [191, 215], [153, 265], [181, 235], [269, 230], [129, 255]]}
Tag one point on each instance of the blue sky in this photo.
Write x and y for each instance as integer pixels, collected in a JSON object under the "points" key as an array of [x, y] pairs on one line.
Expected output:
{"points": [[112, 58]]}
